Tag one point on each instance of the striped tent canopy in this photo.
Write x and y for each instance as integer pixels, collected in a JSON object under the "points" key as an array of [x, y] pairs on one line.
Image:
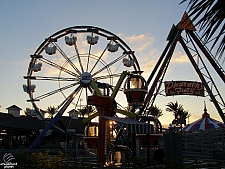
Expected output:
{"points": [[205, 123], [133, 126]]}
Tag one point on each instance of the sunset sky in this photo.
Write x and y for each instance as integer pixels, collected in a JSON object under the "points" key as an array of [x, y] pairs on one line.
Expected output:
{"points": [[143, 25]]}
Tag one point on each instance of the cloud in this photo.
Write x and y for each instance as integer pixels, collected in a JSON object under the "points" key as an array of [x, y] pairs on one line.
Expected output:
{"points": [[146, 55], [139, 43], [179, 57], [142, 45]]}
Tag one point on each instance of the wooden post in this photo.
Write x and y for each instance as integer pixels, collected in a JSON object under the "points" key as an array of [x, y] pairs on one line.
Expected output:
{"points": [[101, 137]]}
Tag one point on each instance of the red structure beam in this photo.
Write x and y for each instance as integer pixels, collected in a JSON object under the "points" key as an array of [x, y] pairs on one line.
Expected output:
{"points": [[105, 107]]}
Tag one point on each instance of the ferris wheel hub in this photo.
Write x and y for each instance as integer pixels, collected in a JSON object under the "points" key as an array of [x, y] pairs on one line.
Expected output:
{"points": [[86, 78]]}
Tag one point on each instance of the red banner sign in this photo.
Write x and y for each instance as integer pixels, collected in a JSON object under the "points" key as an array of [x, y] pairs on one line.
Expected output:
{"points": [[184, 88]]}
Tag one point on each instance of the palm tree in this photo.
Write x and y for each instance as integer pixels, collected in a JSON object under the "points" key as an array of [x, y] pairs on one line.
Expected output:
{"points": [[85, 110], [209, 16], [51, 110], [174, 108], [179, 113], [155, 111], [82, 111], [186, 115], [183, 115]]}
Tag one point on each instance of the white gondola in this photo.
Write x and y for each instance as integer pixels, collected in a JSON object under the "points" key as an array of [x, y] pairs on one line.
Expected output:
{"points": [[51, 50], [128, 63], [92, 40], [113, 47], [36, 67], [27, 89], [70, 40]]}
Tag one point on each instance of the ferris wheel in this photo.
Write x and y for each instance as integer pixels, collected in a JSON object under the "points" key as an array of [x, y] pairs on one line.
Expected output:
{"points": [[62, 67]]}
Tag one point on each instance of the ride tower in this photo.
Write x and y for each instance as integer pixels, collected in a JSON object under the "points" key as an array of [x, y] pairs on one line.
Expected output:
{"points": [[198, 54]]}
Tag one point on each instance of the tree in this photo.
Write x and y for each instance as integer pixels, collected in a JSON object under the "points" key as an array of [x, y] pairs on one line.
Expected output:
{"points": [[174, 108], [209, 16], [82, 111], [85, 110], [155, 111], [186, 115], [179, 113], [51, 110]]}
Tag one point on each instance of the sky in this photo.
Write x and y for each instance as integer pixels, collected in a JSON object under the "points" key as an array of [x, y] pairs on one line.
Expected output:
{"points": [[143, 25]]}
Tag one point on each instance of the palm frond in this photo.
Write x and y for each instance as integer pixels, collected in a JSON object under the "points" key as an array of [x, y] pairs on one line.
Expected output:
{"points": [[209, 15]]}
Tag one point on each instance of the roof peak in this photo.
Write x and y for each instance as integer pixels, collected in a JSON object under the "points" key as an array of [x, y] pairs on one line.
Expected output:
{"points": [[14, 106], [186, 23], [205, 114]]}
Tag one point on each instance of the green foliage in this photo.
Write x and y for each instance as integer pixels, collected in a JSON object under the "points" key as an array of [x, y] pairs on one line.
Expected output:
{"points": [[86, 110], [138, 163], [51, 110], [175, 108], [176, 162], [38, 160], [155, 111], [178, 111], [46, 161], [57, 161], [209, 15]]}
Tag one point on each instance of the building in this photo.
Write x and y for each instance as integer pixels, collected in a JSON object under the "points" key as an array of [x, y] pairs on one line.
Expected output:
{"points": [[19, 131]]}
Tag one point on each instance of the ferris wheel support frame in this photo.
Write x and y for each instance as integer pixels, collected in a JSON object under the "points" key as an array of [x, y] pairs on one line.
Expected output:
{"points": [[173, 37], [38, 140], [203, 80]]}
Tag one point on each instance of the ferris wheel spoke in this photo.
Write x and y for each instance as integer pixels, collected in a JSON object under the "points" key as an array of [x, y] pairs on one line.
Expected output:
{"points": [[79, 99], [58, 67], [108, 65], [55, 91], [99, 58], [86, 91], [70, 98], [88, 58], [67, 59], [78, 56], [89, 53], [51, 78], [107, 76]]}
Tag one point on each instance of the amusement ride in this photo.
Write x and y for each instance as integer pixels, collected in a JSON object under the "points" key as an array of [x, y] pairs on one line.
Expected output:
{"points": [[89, 66]]}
